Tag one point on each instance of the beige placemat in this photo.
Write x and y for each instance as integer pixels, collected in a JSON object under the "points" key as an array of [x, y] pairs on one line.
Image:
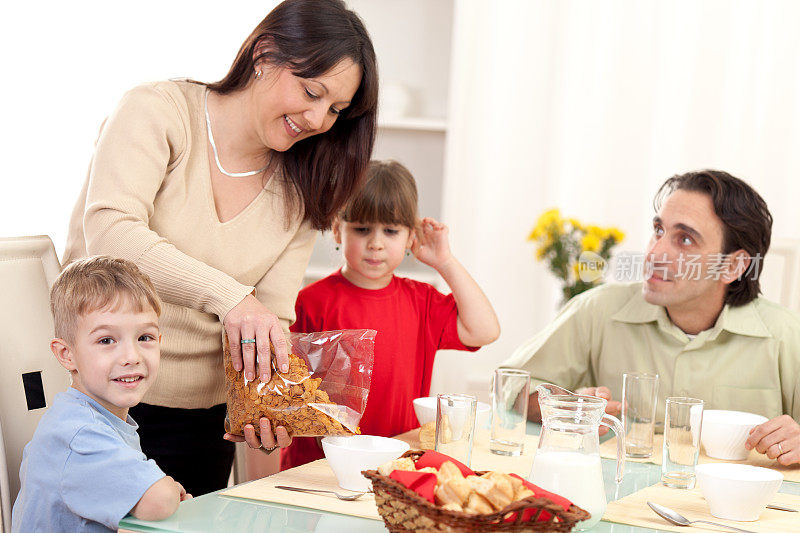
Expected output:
{"points": [[608, 449], [633, 510], [318, 475], [315, 475]]}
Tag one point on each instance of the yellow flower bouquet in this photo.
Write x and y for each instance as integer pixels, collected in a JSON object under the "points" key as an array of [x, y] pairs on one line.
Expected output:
{"points": [[577, 254]]}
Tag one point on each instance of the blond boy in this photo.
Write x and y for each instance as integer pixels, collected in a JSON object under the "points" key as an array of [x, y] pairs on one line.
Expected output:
{"points": [[84, 469]]}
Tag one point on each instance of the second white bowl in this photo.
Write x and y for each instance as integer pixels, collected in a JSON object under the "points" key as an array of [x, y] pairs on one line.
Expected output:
{"points": [[725, 432], [348, 456], [736, 491]]}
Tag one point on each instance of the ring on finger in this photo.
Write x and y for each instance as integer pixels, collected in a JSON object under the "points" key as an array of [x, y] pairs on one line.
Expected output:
{"points": [[247, 341], [271, 448], [780, 449]]}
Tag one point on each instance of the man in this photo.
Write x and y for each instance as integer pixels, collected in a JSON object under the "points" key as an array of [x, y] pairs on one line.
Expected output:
{"points": [[696, 320]]}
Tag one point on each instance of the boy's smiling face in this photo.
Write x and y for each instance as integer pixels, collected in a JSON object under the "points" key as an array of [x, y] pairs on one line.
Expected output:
{"points": [[114, 355]]}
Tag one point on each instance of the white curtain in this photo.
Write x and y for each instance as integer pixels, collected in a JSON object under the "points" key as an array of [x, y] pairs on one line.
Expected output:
{"points": [[589, 106]]}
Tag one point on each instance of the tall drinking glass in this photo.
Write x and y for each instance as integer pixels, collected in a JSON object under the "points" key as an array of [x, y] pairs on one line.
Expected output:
{"points": [[683, 422], [455, 425], [639, 397], [509, 411]]}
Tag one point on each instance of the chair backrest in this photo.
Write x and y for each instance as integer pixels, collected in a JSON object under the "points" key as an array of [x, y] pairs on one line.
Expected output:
{"points": [[29, 374], [780, 273]]}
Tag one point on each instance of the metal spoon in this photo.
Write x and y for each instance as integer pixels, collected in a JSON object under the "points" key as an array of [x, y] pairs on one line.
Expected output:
{"points": [[345, 497], [781, 508], [679, 520]]}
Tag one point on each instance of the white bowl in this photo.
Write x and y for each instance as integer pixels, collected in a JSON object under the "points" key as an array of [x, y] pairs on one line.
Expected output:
{"points": [[725, 432], [348, 456], [736, 491], [425, 409]]}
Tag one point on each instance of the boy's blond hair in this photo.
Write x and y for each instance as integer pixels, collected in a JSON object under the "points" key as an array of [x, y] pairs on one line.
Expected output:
{"points": [[95, 283]]}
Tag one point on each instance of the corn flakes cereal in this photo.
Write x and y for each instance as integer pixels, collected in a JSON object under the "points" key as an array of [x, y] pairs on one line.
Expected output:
{"points": [[292, 400]]}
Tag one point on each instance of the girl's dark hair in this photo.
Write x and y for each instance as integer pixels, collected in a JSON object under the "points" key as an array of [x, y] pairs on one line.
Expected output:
{"points": [[310, 37], [389, 196], [746, 222]]}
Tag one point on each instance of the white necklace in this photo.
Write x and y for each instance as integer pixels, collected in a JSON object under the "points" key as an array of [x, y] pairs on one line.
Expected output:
{"points": [[216, 155]]}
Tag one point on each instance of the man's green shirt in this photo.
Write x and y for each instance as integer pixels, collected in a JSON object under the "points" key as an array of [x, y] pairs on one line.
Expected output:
{"points": [[749, 361]]}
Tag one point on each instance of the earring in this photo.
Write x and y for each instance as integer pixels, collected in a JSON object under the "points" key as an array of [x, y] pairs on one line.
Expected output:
{"points": [[408, 252], [337, 247], [258, 74]]}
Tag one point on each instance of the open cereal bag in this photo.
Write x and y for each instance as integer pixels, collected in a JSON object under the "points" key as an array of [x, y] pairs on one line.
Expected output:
{"points": [[324, 392]]}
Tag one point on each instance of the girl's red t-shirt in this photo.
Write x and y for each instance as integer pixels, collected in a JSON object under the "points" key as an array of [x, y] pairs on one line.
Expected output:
{"points": [[413, 321]]}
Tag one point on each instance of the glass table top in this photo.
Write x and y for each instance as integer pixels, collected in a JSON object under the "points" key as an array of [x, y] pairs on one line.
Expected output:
{"points": [[221, 514]]}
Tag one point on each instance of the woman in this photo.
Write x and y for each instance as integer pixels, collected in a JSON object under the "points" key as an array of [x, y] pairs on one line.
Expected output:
{"points": [[216, 192]]}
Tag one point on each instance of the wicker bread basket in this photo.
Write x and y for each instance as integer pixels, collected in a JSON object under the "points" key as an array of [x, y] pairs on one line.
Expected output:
{"points": [[402, 509]]}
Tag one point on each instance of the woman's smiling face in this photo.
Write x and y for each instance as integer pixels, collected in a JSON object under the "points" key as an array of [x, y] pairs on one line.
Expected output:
{"points": [[288, 108]]}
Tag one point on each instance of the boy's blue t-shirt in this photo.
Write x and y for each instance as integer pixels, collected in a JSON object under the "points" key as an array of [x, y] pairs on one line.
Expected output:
{"points": [[82, 471]]}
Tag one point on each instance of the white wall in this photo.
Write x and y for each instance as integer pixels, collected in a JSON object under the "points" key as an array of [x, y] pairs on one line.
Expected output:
{"points": [[65, 66], [590, 106]]}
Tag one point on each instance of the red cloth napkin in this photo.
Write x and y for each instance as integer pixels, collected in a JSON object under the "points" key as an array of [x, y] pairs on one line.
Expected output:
{"points": [[423, 483], [539, 492], [435, 459]]}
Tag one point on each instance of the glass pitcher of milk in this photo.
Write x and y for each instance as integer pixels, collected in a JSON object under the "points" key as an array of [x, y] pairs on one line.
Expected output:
{"points": [[567, 461]]}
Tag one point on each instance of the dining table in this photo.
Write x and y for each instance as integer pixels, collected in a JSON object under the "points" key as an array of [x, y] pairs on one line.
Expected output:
{"points": [[218, 513]]}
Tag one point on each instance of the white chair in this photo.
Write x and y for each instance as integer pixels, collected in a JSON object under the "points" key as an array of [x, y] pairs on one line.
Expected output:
{"points": [[780, 273], [29, 374]]}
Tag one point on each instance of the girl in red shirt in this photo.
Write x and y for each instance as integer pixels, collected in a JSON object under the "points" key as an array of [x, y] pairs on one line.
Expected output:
{"points": [[413, 320]]}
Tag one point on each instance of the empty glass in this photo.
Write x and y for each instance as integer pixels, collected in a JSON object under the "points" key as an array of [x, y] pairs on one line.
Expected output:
{"points": [[639, 398], [455, 425], [683, 422], [509, 411]]}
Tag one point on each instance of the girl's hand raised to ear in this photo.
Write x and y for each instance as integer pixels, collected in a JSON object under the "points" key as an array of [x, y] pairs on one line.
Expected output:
{"points": [[251, 320], [431, 244]]}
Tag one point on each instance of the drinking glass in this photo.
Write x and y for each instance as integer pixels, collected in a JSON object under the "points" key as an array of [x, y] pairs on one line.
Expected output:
{"points": [[639, 397], [509, 411], [683, 422], [455, 425]]}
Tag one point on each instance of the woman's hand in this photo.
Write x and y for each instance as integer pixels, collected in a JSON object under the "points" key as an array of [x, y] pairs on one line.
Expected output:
{"points": [[269, 440], [431, 245], [251, 320]]}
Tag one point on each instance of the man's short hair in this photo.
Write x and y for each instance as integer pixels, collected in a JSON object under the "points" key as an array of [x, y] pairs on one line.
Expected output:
{"points": [[746, 220], [96, 283]]}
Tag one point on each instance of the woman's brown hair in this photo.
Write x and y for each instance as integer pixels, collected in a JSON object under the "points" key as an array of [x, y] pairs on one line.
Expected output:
{"points": [[388, 196], [310, 37], [746, 222]]}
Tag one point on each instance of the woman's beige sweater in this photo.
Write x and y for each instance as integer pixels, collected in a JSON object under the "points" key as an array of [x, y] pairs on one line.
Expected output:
{"points": [[148, 198]]}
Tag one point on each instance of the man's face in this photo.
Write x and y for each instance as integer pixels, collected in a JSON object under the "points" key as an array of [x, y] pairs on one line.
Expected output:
{"points": [[685, 267]]}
